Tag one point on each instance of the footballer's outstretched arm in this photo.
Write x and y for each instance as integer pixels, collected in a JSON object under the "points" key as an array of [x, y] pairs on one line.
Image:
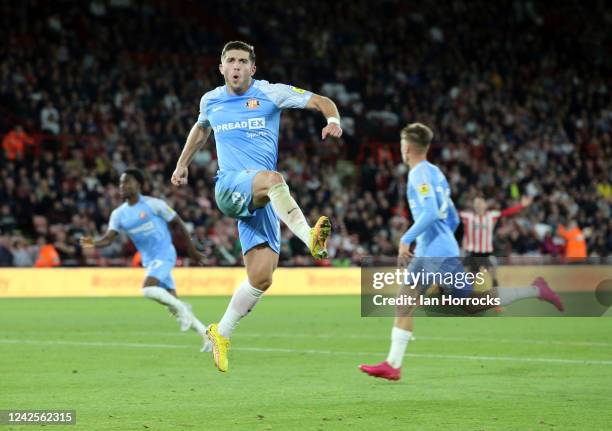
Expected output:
{"points": [[198, 135], [106, 240], [178, 223], [328, 108]]}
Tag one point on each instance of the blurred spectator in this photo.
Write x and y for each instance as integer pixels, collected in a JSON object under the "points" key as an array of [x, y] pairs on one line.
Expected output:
{"points": [[67, 248], [22, 256], [6, 257], [49, 119], [136, 260], [48, 256], [16, 143], [8, 222], [575, 243]]}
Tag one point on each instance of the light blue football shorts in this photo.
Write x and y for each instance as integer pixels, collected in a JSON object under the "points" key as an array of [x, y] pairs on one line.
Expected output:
{"points": [[234, 195], [162, 270]]}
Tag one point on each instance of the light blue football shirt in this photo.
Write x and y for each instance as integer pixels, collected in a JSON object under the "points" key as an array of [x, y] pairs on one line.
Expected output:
{"points": [[146, 223], [433, 211], [246, 126]]}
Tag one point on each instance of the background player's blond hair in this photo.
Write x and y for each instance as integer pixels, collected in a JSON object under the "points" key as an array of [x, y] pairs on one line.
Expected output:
{"points": [[418, 134]]}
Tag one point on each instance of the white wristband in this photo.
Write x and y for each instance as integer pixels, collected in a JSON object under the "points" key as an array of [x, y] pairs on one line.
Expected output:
{"points": [[334, 120]]}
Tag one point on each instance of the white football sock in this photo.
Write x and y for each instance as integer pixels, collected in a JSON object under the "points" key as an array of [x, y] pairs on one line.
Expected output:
{"points": [[399, 342], [163, 296], [198, 326], [507, 295], [178, 308], [289, 212], [244, 299]]}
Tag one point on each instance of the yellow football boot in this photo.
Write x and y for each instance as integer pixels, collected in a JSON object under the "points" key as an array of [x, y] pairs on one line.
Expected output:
{"points": [[318, 238], [220, 347]]}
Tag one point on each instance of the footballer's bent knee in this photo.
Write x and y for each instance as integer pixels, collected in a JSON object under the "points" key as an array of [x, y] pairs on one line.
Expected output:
{"points": [[261, 283], [273, 178]]}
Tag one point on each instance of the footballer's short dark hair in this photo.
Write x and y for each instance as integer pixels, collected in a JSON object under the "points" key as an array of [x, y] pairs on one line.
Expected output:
{"points": [[242, 46], [136, 174]]}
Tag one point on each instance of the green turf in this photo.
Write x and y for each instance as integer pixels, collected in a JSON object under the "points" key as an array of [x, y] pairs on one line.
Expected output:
{"points": [[123, 365]]}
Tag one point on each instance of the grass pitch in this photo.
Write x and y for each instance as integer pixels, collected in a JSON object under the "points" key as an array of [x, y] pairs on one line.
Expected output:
{"points": [[122, 364]]}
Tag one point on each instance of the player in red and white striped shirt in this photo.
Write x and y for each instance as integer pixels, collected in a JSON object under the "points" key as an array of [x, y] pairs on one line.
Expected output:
{"points": [[478, 230]]}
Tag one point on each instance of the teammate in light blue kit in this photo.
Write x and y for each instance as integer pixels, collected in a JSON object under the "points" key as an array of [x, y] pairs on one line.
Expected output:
{"points": [[433, 211], [437, 250], [435, 220], [244, 115], [146, 221]]}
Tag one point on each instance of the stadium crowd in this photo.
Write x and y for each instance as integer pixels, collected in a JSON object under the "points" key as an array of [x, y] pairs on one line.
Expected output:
{"points": [[519, 104]]}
